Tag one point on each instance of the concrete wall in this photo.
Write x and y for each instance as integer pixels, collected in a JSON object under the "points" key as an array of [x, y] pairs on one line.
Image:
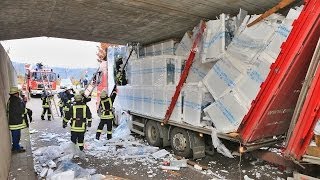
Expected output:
{"points": [[7, 79]]}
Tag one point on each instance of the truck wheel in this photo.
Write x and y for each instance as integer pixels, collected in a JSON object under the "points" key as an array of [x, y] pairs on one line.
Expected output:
{"points": [[153, 134], [180, 142]]}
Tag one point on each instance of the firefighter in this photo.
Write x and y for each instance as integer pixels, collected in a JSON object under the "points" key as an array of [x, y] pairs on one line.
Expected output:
{"points": [[66, 109], [84, 98], [105, 108], [80, 117], [17, 118], [120, 74], [60, 104], [66, 98], [45, 97], [68, 93]]}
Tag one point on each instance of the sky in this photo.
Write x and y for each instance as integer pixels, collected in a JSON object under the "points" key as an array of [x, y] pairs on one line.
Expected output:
{"points": [[53, 52]]}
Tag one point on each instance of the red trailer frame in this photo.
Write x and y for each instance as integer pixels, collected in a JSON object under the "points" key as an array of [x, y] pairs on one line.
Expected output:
{"points": [[272, 110], [303, 130]]}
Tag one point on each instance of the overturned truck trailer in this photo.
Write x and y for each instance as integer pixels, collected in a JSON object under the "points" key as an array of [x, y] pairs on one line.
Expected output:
{"points": [[243, 84]]}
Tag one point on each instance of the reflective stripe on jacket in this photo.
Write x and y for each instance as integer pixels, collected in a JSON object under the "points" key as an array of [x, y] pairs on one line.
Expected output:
{"points": [[16, 113], [106, 105], [60, 103], [45, 102], [79, 114]]}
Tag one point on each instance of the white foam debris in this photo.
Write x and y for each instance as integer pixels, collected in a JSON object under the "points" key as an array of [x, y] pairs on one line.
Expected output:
{"points": [[225, 171], [246, 177], [160, 154], [258, 175], [197, 167], [33, 131], [124, 150], [174, 168]]}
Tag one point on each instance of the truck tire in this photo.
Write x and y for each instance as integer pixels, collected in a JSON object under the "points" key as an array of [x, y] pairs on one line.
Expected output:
{"points": [[180, 142], [153, 134]]}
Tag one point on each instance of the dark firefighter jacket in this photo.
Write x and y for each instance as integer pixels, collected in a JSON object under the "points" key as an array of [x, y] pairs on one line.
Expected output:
{"points": [[106, 105], [66, 109], [45, 100], [16, 113], [80, 115]]}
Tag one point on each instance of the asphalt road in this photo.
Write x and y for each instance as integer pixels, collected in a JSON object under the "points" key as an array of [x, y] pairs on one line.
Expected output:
{"points": [[220, 167]]}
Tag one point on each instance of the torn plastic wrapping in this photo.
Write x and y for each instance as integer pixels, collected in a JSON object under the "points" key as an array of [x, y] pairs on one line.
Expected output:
{"points": [[239, 19], [46, 154], [123, 129], [62, 175], [141, 150], [218, 144], [79, 172]]}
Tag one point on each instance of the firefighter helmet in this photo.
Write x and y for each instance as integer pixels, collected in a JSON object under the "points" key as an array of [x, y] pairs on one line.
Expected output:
{"points": [[103, 94], [78, 97], [14, 90]]}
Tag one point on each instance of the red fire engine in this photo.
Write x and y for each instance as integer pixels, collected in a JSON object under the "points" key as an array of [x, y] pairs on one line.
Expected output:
{"points": [[36, 79]]}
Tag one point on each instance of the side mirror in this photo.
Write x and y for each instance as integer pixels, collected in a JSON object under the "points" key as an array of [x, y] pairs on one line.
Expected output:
{"points": [[58, 76]]}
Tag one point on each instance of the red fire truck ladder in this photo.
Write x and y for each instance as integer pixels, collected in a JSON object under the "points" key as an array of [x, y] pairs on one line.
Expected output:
{"points": [[185, 72]]}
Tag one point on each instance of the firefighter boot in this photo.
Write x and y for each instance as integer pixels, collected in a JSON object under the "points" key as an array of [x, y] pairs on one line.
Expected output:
{"points": [[109, 136], [49, 118], [42, 117], [98, 135]]}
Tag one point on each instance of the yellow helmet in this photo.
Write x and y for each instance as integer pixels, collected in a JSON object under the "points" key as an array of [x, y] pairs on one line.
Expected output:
{"points": [[14, 90], [103, 94], [78, 97]]}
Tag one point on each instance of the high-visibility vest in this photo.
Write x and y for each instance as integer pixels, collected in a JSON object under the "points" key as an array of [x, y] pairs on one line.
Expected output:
{"points": [[119, 78], [45, 102], [79, 123], [106, 113]]}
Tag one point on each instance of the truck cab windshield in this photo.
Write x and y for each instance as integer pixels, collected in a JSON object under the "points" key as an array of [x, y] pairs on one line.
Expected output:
{"points": [[46, 76]]}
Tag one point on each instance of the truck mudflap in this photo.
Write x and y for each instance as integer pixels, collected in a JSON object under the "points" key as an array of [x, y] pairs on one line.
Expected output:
{"points": [[302, 133], [272, 110]]}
